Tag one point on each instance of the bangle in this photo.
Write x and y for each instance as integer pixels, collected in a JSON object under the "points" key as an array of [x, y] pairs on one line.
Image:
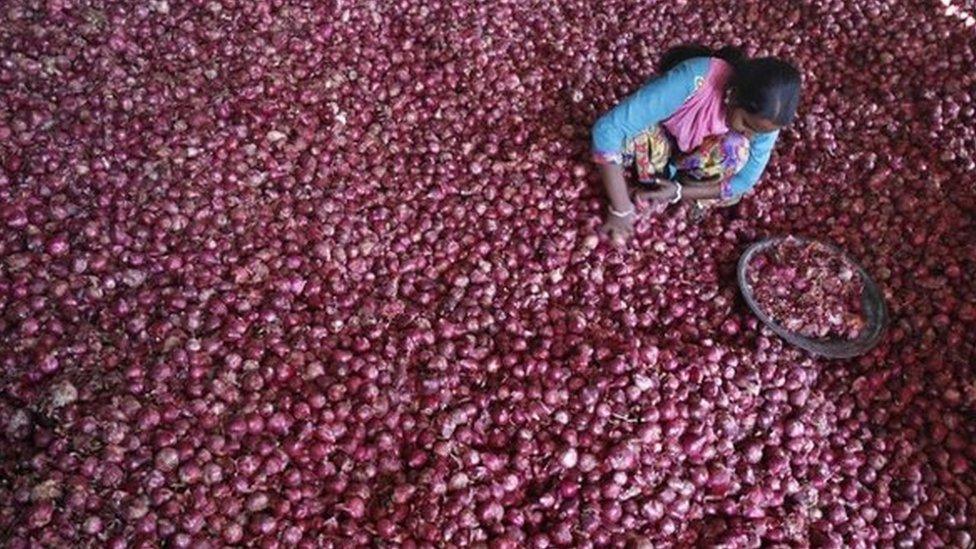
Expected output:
{"points": [[615, 213], [677, 197]]}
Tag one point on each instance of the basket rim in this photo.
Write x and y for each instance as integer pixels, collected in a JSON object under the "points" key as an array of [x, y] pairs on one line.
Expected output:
{"points": [[873, 306]]}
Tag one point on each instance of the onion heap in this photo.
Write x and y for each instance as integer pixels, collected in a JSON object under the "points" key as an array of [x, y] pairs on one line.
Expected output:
{"points": [[307, 274]]}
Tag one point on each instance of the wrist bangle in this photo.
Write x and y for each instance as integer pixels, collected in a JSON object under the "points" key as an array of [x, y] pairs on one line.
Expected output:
{"points": [[677, 197], [615, 213]]}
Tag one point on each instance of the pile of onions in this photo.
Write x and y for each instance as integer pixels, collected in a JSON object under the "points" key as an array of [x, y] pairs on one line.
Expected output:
{"points": [[808, 289], [327, 274]]}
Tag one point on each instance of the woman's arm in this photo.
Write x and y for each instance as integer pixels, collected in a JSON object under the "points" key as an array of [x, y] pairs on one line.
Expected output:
{"points": [[652, 103], [667, 191], [620, 218], [760, 149], [699, 192], [616, 187]]}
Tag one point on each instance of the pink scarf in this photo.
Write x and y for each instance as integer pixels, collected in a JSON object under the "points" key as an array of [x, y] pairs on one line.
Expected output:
{"points": [[702, 114]]}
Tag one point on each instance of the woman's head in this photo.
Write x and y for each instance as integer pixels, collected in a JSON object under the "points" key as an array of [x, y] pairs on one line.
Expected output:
{"points": [[765, 94], [765, 91]]}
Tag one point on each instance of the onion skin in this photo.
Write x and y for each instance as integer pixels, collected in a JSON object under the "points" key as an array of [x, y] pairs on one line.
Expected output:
{"points": [[327, 274], [808, 289]]}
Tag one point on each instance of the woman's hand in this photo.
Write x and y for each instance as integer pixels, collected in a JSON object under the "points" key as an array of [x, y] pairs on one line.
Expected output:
{"points": [[665, 192], [619, 228]]}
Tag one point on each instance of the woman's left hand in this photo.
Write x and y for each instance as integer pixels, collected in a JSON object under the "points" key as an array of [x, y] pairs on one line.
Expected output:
{"points": [[665, 192]]}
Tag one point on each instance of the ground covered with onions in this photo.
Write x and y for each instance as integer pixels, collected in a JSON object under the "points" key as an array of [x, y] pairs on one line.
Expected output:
{"points": [[326, 274]]}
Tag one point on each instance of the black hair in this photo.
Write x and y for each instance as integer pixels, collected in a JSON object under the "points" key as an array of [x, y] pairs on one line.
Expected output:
{"points": [[766, 86]]}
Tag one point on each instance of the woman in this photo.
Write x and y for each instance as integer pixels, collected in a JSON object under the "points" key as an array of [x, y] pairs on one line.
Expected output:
{"points": [[702, 131]]}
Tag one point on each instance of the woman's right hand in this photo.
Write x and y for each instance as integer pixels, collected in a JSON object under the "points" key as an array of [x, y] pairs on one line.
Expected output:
{"points": [[619, 228]]}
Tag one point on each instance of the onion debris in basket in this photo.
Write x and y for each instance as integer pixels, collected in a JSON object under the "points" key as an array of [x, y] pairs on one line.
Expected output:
{"points": [[809, 289]]}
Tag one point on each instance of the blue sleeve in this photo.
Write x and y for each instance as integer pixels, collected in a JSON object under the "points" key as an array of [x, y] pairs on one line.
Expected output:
{"points": [[654, 102], [760, 148]]}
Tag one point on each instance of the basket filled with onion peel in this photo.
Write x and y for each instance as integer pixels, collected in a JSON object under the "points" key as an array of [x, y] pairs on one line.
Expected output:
{"points": [[813, 295]]}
